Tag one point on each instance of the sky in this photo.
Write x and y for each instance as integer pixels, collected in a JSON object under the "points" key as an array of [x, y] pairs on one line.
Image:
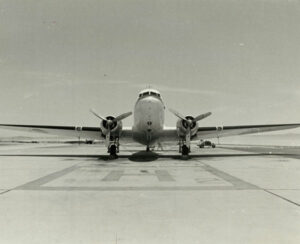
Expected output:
{"points": [[238, 59]]}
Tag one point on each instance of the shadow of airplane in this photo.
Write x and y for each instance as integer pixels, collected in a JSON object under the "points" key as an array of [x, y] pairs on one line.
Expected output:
{"points": [[143, 156]]}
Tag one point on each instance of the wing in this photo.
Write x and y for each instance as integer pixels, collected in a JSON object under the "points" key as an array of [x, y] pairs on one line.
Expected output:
{"points": [[170, 134], [70, 131], [222, 131]]}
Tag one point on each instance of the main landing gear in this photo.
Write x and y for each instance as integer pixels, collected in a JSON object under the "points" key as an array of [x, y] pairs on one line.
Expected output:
{"points": [[113, 149], [184, 149]]}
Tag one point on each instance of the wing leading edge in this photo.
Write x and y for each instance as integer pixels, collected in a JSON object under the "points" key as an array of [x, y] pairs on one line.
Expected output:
{"points": [[70, 131], [222, 131], [170, 134]]}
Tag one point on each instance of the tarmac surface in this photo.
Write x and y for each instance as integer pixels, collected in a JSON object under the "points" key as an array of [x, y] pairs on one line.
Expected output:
{"points": [[75, 194]]}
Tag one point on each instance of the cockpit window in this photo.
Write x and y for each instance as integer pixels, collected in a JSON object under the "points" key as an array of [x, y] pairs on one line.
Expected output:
{"points": [[152, 93]]}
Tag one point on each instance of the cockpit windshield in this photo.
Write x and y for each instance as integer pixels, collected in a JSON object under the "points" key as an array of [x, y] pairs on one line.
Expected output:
{"points": [[149, 93]]}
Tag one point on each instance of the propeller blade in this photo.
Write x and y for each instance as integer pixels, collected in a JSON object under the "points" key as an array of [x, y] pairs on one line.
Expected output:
{"points": [[180, 116], [97, 115], [177, 114], [202, 116], [122, 116]]}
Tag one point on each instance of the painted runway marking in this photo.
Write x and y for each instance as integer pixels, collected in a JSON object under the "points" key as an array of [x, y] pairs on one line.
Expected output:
{"points": [[283, 198], [163, 175], [131, 188], [238, 183], [205, 180], [45, 179], [114, 175], [4, 191]]}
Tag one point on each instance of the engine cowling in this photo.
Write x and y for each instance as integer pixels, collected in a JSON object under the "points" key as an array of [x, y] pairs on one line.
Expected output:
{"points": [[182, 126], [115, 127]]}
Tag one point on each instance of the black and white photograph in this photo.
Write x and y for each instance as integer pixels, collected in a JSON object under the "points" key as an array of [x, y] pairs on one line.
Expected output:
{"points": [[149, 121]]}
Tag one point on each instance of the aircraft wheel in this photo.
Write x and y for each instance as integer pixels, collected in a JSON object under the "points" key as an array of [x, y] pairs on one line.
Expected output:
{"points": [[184, 150], [113, 151]]}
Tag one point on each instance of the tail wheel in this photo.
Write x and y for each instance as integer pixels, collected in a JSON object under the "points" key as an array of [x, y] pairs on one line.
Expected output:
{"points": [[185, 150]]}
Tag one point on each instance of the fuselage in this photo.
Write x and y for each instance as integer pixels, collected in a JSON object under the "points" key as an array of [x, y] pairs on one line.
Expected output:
{"points": [[149, 117]]}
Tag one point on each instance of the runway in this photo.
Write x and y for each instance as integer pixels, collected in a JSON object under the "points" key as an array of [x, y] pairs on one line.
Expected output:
{"points": [[75, 194]]}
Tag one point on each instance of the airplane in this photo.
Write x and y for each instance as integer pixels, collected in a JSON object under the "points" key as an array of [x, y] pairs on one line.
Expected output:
{"points": [[148, 127]]}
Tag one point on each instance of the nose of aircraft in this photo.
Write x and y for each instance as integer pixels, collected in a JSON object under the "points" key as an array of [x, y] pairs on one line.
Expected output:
{"points": [[149, 104], [149, 99], [149, 111]]}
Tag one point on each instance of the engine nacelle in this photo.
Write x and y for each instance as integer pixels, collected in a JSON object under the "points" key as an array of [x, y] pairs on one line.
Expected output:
{"points": [[115, 127], [182, 126]]}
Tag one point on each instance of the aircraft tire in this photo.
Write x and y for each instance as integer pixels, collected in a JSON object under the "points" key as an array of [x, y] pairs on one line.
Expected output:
{"points": [[184, 150], [113, 150]]}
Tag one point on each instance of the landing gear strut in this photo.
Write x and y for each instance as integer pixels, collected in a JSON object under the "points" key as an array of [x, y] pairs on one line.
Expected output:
{"points": [[113, 148], [184, 149]]}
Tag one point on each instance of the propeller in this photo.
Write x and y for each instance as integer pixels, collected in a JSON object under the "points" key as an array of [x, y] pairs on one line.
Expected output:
{"points": [[202, 116], [188, 120], [123, 116], [96, 114], [176, 113], [109, 122]]}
